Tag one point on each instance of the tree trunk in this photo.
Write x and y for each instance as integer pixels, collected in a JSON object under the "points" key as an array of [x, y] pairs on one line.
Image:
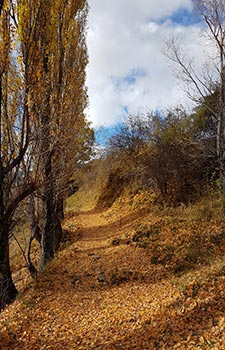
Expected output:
{"points": [[58, 233], [52, 231], [47, 244], [221, 157], [8, 291], [34, 234], [60, 208], [221, 130]]}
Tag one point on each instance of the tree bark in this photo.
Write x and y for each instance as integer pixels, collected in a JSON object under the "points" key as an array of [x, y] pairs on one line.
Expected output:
{"points": [[52, 230], [8, 291], [60, 208], [1, 6], [52, 225], [47, 244]]}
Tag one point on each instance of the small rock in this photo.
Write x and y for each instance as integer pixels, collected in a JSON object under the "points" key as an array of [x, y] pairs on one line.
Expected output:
{"points": [[95, 257], [87, 274], [76, 279], [121, 277], [101, 278], [116, 241], [114, 280]]}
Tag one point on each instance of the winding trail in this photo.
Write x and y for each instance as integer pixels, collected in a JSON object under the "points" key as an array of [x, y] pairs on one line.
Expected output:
{"points": [[78, 304]]}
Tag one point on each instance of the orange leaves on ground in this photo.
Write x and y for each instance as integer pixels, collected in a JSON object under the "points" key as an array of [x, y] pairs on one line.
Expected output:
{"points": [[69, 307]]}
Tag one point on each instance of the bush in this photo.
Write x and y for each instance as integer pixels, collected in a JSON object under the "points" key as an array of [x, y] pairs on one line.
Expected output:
{"points": [[165, 153]]}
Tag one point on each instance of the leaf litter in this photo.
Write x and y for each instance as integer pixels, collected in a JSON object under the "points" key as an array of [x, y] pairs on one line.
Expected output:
{"points": [[149, 307]]}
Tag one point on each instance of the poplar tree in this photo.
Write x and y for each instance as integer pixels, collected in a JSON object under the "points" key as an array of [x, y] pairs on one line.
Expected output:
{"points": [[16, 180], [43, 57], [59, 97]]}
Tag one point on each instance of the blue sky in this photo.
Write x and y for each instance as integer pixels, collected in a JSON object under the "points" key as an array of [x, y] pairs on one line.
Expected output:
{"points": [[128, 73], [183, 16]]}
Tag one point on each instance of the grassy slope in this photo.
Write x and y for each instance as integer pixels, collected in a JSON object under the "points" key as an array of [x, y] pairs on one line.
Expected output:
{"points": [[162, 280]]}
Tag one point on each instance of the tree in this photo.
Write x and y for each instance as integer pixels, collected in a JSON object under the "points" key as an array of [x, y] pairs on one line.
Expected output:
{"points": [[66, 68], [56, 30], [211, 82], [166, 152], [178, 159], [42, 99], [16, 179]]}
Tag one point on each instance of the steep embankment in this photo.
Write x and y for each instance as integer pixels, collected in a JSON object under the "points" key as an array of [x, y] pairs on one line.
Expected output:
{"points": [[115, 285]]}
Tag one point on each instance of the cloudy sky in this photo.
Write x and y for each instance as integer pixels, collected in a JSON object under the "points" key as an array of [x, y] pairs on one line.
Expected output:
{"points": [[127, 72]]}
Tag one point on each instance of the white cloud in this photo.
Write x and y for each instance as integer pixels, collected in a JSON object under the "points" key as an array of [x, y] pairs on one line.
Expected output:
{"points": [[126, 36]]}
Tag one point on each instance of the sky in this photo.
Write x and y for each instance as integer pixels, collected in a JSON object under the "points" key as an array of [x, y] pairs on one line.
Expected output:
{"points": [[127, 72]]}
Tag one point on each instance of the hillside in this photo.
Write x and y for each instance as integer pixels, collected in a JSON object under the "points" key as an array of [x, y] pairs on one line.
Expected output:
{"points": [[134, 276], [112, 200]]}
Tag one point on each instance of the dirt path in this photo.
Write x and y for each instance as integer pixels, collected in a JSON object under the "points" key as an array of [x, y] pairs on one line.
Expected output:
{"points": [[97, 296]]}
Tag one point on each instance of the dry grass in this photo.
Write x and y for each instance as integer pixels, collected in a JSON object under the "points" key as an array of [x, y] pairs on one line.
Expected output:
{"points": [[107, 291]]}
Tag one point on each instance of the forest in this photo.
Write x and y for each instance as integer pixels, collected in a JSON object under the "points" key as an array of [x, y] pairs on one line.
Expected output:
{"points": [[107, 246]]}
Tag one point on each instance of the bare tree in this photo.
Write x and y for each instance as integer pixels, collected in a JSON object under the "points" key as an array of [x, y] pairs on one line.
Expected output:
{"points": [[212, 15]]}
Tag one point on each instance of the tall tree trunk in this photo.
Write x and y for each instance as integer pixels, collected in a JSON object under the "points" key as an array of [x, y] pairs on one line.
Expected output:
{"points": [[221, 129], [47, 244], [8, 291], [52, 226], [52, 232], [58, 233], [60, 207], [34, 234], [221, 152]]}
